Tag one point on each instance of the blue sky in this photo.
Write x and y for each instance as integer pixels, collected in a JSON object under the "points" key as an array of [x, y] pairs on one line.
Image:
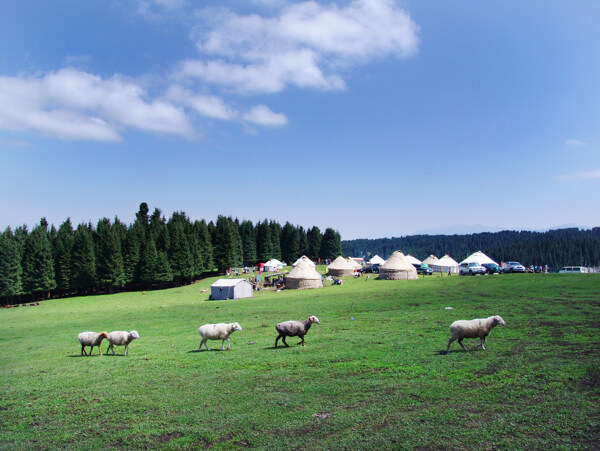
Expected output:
{"points": [[377, 118]]}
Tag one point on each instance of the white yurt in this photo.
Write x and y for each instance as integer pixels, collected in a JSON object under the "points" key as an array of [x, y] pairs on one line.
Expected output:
{"points": [[397, 267], [231, 289], [305, 259], [303, 276], [273, 265], [413, 260], [354, 263], [377, 260], [340, 267], [445, 264], [478, 257], [430, 261]]}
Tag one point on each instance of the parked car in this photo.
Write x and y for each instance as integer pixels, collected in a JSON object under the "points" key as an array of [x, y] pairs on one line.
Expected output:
{"points": [[471, 269], [491, 268], [423, 269], [370, 268], [508, 267], [573, 270]]}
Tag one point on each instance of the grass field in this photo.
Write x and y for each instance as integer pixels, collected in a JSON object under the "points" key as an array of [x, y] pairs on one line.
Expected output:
{"points": [[375, 381]]}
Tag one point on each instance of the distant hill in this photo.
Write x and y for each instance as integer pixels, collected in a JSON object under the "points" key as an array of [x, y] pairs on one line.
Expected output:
{"points": [[555, 248]]}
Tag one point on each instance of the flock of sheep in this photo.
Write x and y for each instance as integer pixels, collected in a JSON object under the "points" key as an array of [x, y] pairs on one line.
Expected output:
{"points": [[459, 330]]}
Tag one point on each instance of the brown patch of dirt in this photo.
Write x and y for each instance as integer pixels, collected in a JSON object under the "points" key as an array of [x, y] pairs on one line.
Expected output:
{"points": [[168, 437], [243, 443]]}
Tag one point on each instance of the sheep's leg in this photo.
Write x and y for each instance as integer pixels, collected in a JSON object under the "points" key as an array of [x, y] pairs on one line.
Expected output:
{"points": [[223, 345], [111, 347], [284, 342], [301, 341], [277, 339], [482, 344], [462, 345], [83, 350], [91, 349], [449, 343], [228, 344], [201, 343], [126, 350]]}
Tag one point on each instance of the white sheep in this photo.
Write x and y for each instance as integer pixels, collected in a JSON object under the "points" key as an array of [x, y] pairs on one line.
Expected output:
{"points": [[475, 328], [121, 338], [91, 339], [220, 331], [294, 329]]}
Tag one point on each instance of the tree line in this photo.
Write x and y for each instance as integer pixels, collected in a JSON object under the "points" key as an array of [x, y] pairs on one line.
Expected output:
{"points": [[151, 252], [555, 248]]}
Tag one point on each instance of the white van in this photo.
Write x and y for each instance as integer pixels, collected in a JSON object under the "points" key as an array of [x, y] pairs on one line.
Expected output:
{"points": [[573, 270]]}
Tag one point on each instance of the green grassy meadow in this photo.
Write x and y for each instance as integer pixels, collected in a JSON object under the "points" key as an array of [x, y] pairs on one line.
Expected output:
{"points": [[375, 381]]}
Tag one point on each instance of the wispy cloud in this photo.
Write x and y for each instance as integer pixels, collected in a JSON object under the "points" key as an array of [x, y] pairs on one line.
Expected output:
{"points": [[262, 115], [575, 143], [75, 105], [305, 45], [579, 176]]}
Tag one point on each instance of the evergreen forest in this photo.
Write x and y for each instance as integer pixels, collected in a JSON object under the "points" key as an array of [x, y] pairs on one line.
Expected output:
{"points": [[555, 248], [152, 252]]}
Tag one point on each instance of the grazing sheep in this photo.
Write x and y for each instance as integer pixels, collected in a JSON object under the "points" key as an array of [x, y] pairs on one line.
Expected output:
{"points": [[220, 331], [91, 339], [121, 338], [475, 328], [294, 329]]}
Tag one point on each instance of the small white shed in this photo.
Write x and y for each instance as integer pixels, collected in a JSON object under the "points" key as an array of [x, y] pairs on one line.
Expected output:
{"points": [[231, 289]]}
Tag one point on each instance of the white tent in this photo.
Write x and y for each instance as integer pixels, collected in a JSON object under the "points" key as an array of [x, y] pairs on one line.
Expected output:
{"points": [[377, 260], [430, 261], [231, 289], [303, 276], [412, 260], [478, 257], [340, 267], [306, 259], [273, 265], [354, 263], [445, 264], [397, 268]]}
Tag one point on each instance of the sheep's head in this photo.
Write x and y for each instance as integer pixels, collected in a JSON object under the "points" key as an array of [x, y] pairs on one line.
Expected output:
{"points": [[313, 319], [498, 320], [236, 326], [133, 334], [104, 334]]}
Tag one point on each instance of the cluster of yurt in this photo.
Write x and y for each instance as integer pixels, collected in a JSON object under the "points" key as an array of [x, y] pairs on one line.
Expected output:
{"points": [[445, 264], [340, 267], [397, 267], [303, 276]]}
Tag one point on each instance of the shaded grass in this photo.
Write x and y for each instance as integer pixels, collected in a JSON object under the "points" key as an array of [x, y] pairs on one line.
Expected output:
{"points": [[375, 381]]}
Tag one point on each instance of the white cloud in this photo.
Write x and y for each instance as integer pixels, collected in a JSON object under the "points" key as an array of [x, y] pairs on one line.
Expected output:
{"points": [[579, 175], [307, 45], [206, 105], [73, 105], [262, 115], [575, 143]]}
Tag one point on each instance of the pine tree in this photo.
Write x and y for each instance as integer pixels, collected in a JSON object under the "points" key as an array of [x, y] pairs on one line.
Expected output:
{"points": [[163, 271], [314, 238], [148, 263], [63, 253], [224, 244], [180, 257], [206, 247], [248, 238], [132, 255], [302, 243], [331, 245], [290, 241], [10, 266], [264, 246], [83, 270], [275, 239], [38, 266], [109, 259]]}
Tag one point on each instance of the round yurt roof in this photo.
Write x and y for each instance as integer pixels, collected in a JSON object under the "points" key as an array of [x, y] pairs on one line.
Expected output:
{"points": [[304, 270], [377, 260], [412, 260], [353, 263], [397, 267], [431, 260], [446, 261], [305, 259], [340, 263], [478, 257]]}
